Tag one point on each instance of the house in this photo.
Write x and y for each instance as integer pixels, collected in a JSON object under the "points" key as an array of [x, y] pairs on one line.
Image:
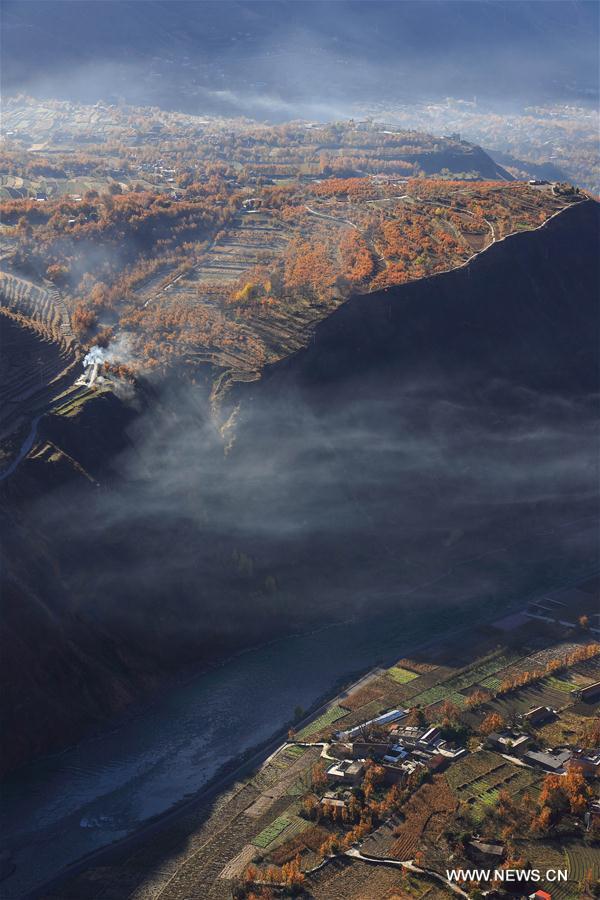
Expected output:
{"points": [[437, 762], [371, 749], [586, 761], [508, 742], [538, 714], [397, 754], [448, 750], [385, 719], [429, 736], [590, 693], [551, 760], [398, 772], [410, 735], [346, 771], [331, 800], [483, 851]]}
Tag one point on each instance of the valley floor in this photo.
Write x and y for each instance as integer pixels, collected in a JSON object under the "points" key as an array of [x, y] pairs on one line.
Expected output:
{"points": [[272, 827]]}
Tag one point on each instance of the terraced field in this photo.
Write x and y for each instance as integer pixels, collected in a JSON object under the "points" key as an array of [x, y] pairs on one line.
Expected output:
{"points": [[583, 862], [42, 305], [271, 832], [442, 683], [400, 675], [356, 880], [34, 372], [539, 694], [333, 714], [425, 805], [479, 778], [580, 860]]}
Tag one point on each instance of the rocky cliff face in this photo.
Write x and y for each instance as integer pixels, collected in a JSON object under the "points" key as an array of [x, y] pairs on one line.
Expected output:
{"points": [[436, 442]]}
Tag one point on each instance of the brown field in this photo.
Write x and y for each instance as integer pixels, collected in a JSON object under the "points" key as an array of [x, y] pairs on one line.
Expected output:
{"points": [[374, 690], [422, 817], [311, 839], [343, 879], [417, 665]]}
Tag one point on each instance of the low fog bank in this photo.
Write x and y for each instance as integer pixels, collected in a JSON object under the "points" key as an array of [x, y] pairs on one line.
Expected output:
{"points": [[421, 494]]}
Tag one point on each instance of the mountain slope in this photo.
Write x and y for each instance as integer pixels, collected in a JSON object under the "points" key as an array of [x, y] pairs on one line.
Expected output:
{"points": [[436, 442]]}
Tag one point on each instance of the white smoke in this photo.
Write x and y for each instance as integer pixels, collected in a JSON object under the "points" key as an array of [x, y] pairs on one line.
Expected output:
{"points": [[119, 351], [96, 356]]}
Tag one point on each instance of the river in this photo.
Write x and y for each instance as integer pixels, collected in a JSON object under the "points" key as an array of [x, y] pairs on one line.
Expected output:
{"points": [[64, 806]]}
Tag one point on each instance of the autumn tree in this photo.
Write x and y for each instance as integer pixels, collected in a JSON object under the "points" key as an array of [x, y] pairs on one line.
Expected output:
{"points": [[492, 722], [559, 796], [589, 734], [374, 776], [416, 717], [450, 714], [478, 698], [319, 776], [82, 319], [57, 273]]}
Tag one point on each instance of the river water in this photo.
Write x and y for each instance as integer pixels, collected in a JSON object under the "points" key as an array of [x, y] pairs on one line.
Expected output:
{"points": [[62, 807]]}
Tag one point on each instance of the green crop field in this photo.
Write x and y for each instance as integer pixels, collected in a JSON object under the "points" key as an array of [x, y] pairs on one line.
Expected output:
{"points": [[436, 694], [582, 862], [327, 718], [481, 674], [272, 831], [402, 676], [492, 683], [561, 684], [297, 826], [294, 751]]}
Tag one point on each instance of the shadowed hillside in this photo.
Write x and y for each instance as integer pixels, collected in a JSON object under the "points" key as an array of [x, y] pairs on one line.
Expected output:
{"points": [[436, 443]]}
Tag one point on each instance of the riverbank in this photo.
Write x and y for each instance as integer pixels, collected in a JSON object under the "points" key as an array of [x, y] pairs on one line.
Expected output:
{"points": [[242, 765]]}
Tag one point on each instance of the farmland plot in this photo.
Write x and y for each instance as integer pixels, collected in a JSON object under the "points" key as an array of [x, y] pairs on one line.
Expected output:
{"points": [[428, 801], [331, 715]]}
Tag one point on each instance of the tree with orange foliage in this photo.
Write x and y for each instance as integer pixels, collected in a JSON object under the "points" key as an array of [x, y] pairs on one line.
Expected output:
{"points": [[291, 874], [450, 713], [561, 794], [589, 735], [319, 776], [492, 722], [57, 273], [357, 260], [82, 319], [250, 874], [416, 717], [478, 698], [374, 776], [542, 821], [311, 806], [329, 847]]}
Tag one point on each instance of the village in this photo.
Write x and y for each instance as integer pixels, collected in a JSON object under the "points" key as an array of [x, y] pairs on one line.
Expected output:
{"points": [[493, 763], [470, 767]]}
